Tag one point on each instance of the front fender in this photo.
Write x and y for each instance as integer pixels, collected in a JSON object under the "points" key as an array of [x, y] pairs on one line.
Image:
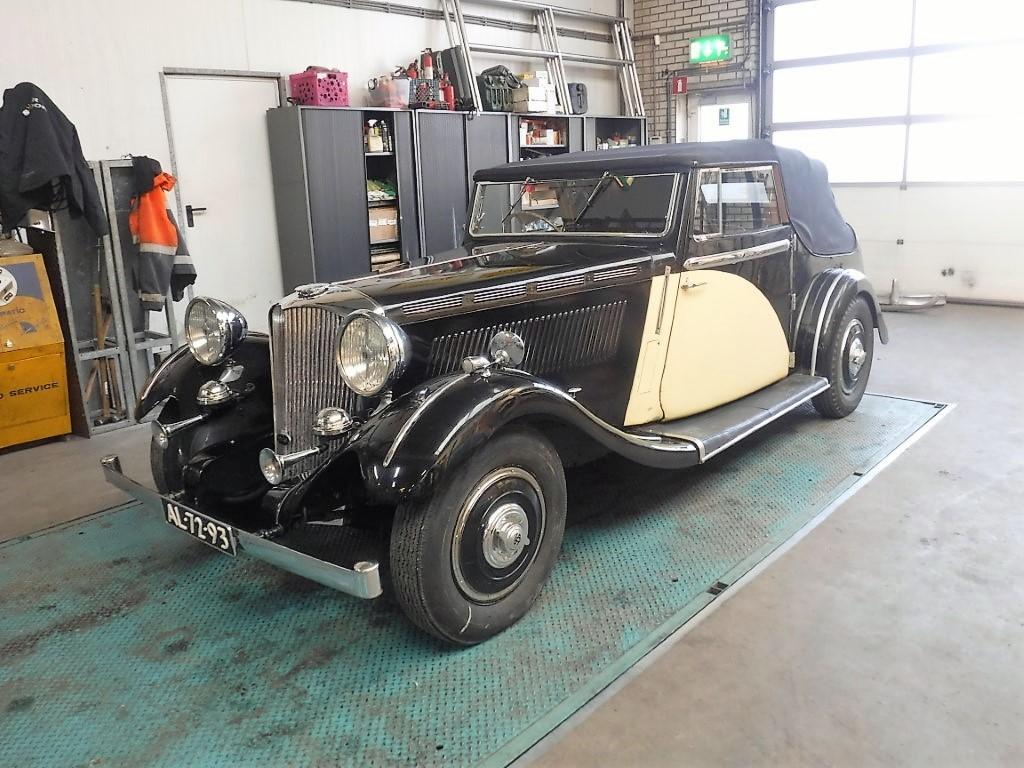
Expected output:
{"points": [[405, 449], [180, 375]]}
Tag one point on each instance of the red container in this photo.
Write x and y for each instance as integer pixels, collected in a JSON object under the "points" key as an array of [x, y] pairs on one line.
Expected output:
{"points": [[319, 87]]}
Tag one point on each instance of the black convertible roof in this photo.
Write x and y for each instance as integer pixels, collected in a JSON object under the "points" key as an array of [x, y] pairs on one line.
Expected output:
{"points": [[812, 208]]}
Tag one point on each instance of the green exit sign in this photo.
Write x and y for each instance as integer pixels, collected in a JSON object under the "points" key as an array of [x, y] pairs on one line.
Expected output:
{"points": [[710, 49]]}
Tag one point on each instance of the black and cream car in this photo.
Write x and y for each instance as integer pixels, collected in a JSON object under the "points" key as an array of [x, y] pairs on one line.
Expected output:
{"points": [[661, 303]]}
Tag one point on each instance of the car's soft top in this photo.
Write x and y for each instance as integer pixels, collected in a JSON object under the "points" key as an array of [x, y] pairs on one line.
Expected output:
{"points": [[812, 208]]}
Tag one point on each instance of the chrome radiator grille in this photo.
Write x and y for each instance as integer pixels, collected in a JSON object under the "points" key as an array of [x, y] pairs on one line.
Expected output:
{"points": [[306, 379], [559, 341]]}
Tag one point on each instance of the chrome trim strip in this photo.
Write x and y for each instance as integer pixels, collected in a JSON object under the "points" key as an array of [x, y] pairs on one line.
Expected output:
{"points": [[735, 257], [530, 285], [411, 421], [821, 318], [611, 274], [362, 580]]}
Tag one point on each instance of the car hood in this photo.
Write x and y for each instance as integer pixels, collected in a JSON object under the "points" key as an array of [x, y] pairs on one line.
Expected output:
{"points": [[492, 266]]}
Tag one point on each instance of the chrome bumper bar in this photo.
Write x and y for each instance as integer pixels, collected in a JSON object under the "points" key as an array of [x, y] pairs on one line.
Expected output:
{"points": [[362, 580]]}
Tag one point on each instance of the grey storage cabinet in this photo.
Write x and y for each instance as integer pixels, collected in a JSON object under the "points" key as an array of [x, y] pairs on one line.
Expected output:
{"points": [[320, 169], [319, 165], [598, 129]]}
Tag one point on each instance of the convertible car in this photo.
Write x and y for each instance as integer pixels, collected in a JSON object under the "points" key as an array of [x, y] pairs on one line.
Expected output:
{"points": [[661, 303]]}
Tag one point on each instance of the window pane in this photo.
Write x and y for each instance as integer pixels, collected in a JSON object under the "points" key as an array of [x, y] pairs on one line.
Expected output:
{"points": [[857, 89], [946, 21], [965, 150], [946, 83], [873, 153], [825, 27], [749, 203]]}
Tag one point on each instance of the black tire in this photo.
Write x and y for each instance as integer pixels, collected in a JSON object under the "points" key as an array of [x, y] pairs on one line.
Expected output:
{"points": [[446, 578], [847, 361]]}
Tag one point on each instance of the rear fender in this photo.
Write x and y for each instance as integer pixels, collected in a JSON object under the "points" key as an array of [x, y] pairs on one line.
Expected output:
{"points": [[821, 307]]}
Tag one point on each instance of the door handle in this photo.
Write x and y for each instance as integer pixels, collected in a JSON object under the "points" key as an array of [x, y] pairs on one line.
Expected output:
{"points": [[189, 211], [688, 286]]}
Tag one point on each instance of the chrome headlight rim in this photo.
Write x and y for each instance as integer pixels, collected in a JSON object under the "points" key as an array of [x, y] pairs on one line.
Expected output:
{"points": [[232, 327], [397, 348]]}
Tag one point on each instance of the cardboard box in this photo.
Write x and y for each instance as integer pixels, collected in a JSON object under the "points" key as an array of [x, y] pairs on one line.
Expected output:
{"points": [[537, 79], [534, 106], [383, 224], [533, 93]]}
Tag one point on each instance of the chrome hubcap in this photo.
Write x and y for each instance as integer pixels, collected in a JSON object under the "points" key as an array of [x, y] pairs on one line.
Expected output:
{"points": [[506, 535], [857, 356]]}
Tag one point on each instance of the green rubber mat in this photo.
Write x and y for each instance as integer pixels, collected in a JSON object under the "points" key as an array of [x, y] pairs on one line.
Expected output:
{"points": [[123, 643]]}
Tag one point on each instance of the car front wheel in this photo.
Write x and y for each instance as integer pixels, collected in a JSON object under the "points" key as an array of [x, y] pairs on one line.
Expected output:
{"points": [[847, 362], [468, 562]]}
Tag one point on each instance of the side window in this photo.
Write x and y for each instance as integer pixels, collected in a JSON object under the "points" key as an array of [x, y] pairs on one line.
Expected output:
{"points": [[734, 201]]}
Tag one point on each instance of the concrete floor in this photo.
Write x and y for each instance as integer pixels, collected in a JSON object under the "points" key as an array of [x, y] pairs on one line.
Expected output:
{"points": [[892, 634]]}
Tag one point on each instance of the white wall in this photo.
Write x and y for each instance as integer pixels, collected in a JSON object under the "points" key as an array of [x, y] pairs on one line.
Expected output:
{"points": [[99, 61], [975, 231]]}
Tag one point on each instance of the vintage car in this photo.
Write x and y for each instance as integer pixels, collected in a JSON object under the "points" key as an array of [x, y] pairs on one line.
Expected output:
{"points": [[661, 303]]}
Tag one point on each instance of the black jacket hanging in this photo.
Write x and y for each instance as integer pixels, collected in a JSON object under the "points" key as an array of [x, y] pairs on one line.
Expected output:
{"points": [[41, 162]]}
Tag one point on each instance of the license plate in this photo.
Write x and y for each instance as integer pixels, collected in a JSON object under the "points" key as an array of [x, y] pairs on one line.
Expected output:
{"points": [[217, 535]]}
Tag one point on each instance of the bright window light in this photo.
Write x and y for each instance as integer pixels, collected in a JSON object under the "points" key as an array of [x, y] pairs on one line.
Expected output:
{"points": [[871, 153], [948, 83], [946, 21], [827, 27], [964, 150], [856, 89]]}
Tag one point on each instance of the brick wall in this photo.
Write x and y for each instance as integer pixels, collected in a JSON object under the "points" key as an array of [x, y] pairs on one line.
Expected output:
{"points": [[676, 22]]}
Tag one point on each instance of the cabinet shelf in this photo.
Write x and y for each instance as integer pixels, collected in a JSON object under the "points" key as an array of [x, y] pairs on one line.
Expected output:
{"points": [[379, 154], [382, 201]]}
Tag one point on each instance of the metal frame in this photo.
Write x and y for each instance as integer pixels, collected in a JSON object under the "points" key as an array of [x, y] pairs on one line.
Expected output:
{"points": [[236, 74], [142, 341], [669, 217], [84, 351], [554, 58]]}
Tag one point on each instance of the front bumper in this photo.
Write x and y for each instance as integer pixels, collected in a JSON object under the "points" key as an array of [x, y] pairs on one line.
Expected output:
{"points": [[361, 580]]}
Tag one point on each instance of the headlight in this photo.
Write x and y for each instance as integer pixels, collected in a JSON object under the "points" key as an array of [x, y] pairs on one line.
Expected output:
{"points": [[372, 351], [213, 329]]}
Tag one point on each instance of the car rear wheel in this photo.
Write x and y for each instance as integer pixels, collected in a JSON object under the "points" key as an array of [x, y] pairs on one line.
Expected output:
{"points": [[468, 562], [847, 361]]}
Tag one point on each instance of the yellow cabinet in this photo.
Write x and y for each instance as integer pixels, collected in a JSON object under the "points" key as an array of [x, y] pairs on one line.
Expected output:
{"points": [[33, 375]]}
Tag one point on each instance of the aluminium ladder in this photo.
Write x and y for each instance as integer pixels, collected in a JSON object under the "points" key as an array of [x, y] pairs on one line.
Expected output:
{"points": [[552, 54]]}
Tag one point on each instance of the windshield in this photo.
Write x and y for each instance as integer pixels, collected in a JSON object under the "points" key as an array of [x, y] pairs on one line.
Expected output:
{"points": [[610, 204]]}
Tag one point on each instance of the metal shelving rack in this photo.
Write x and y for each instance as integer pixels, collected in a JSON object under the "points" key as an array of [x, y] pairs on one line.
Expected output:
{"points": [[142, 342], [84, 272], [554, 57]]}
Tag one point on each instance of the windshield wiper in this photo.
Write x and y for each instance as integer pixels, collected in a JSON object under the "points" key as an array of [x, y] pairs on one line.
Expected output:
{"points": [[512, 207], [595, 193]]}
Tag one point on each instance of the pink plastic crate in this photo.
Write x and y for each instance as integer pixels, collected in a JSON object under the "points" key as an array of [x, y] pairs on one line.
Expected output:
{"points": [[319, 87]]}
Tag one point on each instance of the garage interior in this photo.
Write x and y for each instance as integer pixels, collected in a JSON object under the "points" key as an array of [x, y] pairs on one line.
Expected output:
{"points": [[876, 622]]}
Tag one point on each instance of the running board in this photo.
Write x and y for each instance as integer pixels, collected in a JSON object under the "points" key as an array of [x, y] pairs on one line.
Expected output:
{"points": [[715, 430]]}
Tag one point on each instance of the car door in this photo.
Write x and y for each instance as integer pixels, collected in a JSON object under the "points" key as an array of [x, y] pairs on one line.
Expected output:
{"points": [[733, 300]]}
